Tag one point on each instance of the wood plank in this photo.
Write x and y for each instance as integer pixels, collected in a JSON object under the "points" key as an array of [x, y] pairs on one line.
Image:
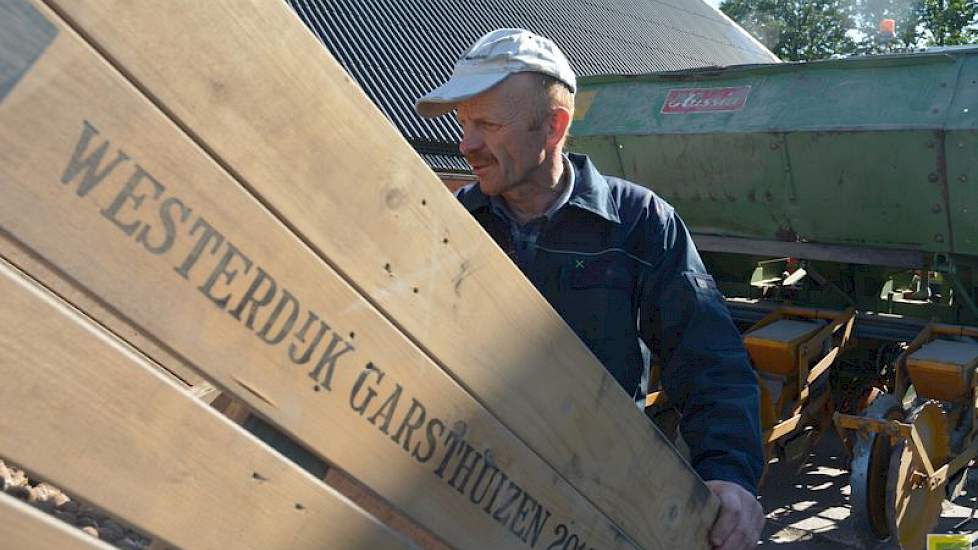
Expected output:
{"points": [[86, 413], [373, 503], [232, 408], [257, 90], [349, 487], [205, 391], [315, 358], [27, 528], [71, 292]]}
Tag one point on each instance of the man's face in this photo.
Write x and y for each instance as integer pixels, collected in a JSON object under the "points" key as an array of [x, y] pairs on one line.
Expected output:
{"points": [[501, 141]]}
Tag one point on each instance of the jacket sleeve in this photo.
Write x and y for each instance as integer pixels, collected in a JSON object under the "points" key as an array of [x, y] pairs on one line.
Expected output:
{"points": [[706, 370]]}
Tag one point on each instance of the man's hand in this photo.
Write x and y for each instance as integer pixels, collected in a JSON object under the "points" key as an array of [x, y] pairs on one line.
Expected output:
{"points": [[738, 527]]}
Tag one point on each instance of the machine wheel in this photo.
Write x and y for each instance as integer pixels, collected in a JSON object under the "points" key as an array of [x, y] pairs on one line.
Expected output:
{"points": [[913, 508], [869, 471]]}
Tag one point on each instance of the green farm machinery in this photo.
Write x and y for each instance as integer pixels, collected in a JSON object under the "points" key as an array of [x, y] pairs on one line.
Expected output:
{"points": [[834, 186]]}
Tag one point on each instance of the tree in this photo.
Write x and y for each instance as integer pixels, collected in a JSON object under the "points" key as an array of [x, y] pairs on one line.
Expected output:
{"points": [[867, 15], [949, 22], [796, 30]]}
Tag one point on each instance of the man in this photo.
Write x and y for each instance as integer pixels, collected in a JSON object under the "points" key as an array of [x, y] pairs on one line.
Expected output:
{"points": [[613, 259]]}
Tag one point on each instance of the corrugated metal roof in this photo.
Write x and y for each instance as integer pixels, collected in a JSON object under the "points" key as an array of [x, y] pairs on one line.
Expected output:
{"points": [[449, 164], [398, 50]]}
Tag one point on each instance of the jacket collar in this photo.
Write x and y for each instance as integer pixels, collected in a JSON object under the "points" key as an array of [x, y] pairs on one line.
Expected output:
{"points": [[591, 191]]}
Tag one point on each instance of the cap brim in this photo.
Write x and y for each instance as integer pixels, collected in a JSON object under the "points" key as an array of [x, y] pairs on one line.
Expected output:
{"points": [[443, 99]]}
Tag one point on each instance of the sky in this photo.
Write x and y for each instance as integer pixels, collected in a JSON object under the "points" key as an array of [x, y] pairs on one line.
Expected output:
{"points": [[714, 3]]}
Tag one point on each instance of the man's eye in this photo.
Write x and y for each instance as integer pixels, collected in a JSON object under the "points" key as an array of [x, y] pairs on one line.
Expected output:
{"points": [[491, 126]]}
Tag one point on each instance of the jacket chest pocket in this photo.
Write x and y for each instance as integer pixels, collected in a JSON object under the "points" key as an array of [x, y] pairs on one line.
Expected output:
{"points": [[597, 298], [605, 273]]}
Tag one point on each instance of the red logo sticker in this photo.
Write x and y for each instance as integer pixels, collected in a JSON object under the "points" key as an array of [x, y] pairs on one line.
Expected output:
{"points": [[705, 100]]}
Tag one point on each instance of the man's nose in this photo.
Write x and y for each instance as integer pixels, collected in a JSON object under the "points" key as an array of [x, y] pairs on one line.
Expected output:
{"points": [[471, 142]]}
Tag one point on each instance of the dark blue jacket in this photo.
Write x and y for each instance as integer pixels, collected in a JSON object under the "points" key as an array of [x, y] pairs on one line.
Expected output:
{"points": [[618, 264]]}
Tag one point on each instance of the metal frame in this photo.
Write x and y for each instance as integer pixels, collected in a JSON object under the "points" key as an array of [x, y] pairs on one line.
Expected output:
{"points": [[807, 352]]}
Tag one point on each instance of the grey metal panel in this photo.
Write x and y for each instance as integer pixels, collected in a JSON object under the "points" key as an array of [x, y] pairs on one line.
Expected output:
{"points": [[813, 251], [399, 49], [446, 163], [24, 35]]}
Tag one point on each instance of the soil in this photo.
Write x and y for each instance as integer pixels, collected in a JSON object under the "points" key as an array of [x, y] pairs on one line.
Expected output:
{"points": [[48, 498]]}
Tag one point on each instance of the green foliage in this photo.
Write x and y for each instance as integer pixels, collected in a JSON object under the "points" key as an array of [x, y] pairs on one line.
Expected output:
{"points": [[867, 15], [947, 22], [795, 30], [806, 30]]}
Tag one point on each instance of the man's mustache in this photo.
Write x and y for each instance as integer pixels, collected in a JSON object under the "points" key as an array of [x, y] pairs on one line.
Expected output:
{"points": [[478, 161]]}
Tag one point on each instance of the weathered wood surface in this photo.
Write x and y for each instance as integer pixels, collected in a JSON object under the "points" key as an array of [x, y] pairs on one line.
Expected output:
{"points": [[23, 527], [98, 182], [258, 91], [86, 413], [95, 308], [370, 501]]}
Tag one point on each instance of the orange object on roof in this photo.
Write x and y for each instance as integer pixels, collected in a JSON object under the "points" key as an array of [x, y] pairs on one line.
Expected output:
{"points": [[888, 27]]}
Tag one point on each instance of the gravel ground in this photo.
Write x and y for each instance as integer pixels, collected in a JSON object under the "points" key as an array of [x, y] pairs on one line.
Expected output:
{"points": [[809, 509], [54, 501], [806, 510]]}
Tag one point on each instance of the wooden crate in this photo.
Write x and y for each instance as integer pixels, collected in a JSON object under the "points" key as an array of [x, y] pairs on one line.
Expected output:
{"points": [[203, 180]]}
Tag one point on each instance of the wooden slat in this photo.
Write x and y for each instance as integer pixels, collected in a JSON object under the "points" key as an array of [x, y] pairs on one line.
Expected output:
{"points": [[230, 407], [69, 290], [83, 411], [258, 91], [349, 487], [205, 391], [382, 412], [372, 503], [24, 527]]}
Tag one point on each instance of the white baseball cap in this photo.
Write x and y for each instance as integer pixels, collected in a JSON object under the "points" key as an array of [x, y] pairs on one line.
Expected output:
{"points": [[489, 61]]}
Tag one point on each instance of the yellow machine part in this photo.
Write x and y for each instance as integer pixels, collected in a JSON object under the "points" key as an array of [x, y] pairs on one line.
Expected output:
{"points": [[774, 347], [942, 369], [912, 506], [769, 403]]}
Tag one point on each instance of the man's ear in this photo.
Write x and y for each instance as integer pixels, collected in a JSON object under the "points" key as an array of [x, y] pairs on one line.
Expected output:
{"points": [[560, 120]]}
